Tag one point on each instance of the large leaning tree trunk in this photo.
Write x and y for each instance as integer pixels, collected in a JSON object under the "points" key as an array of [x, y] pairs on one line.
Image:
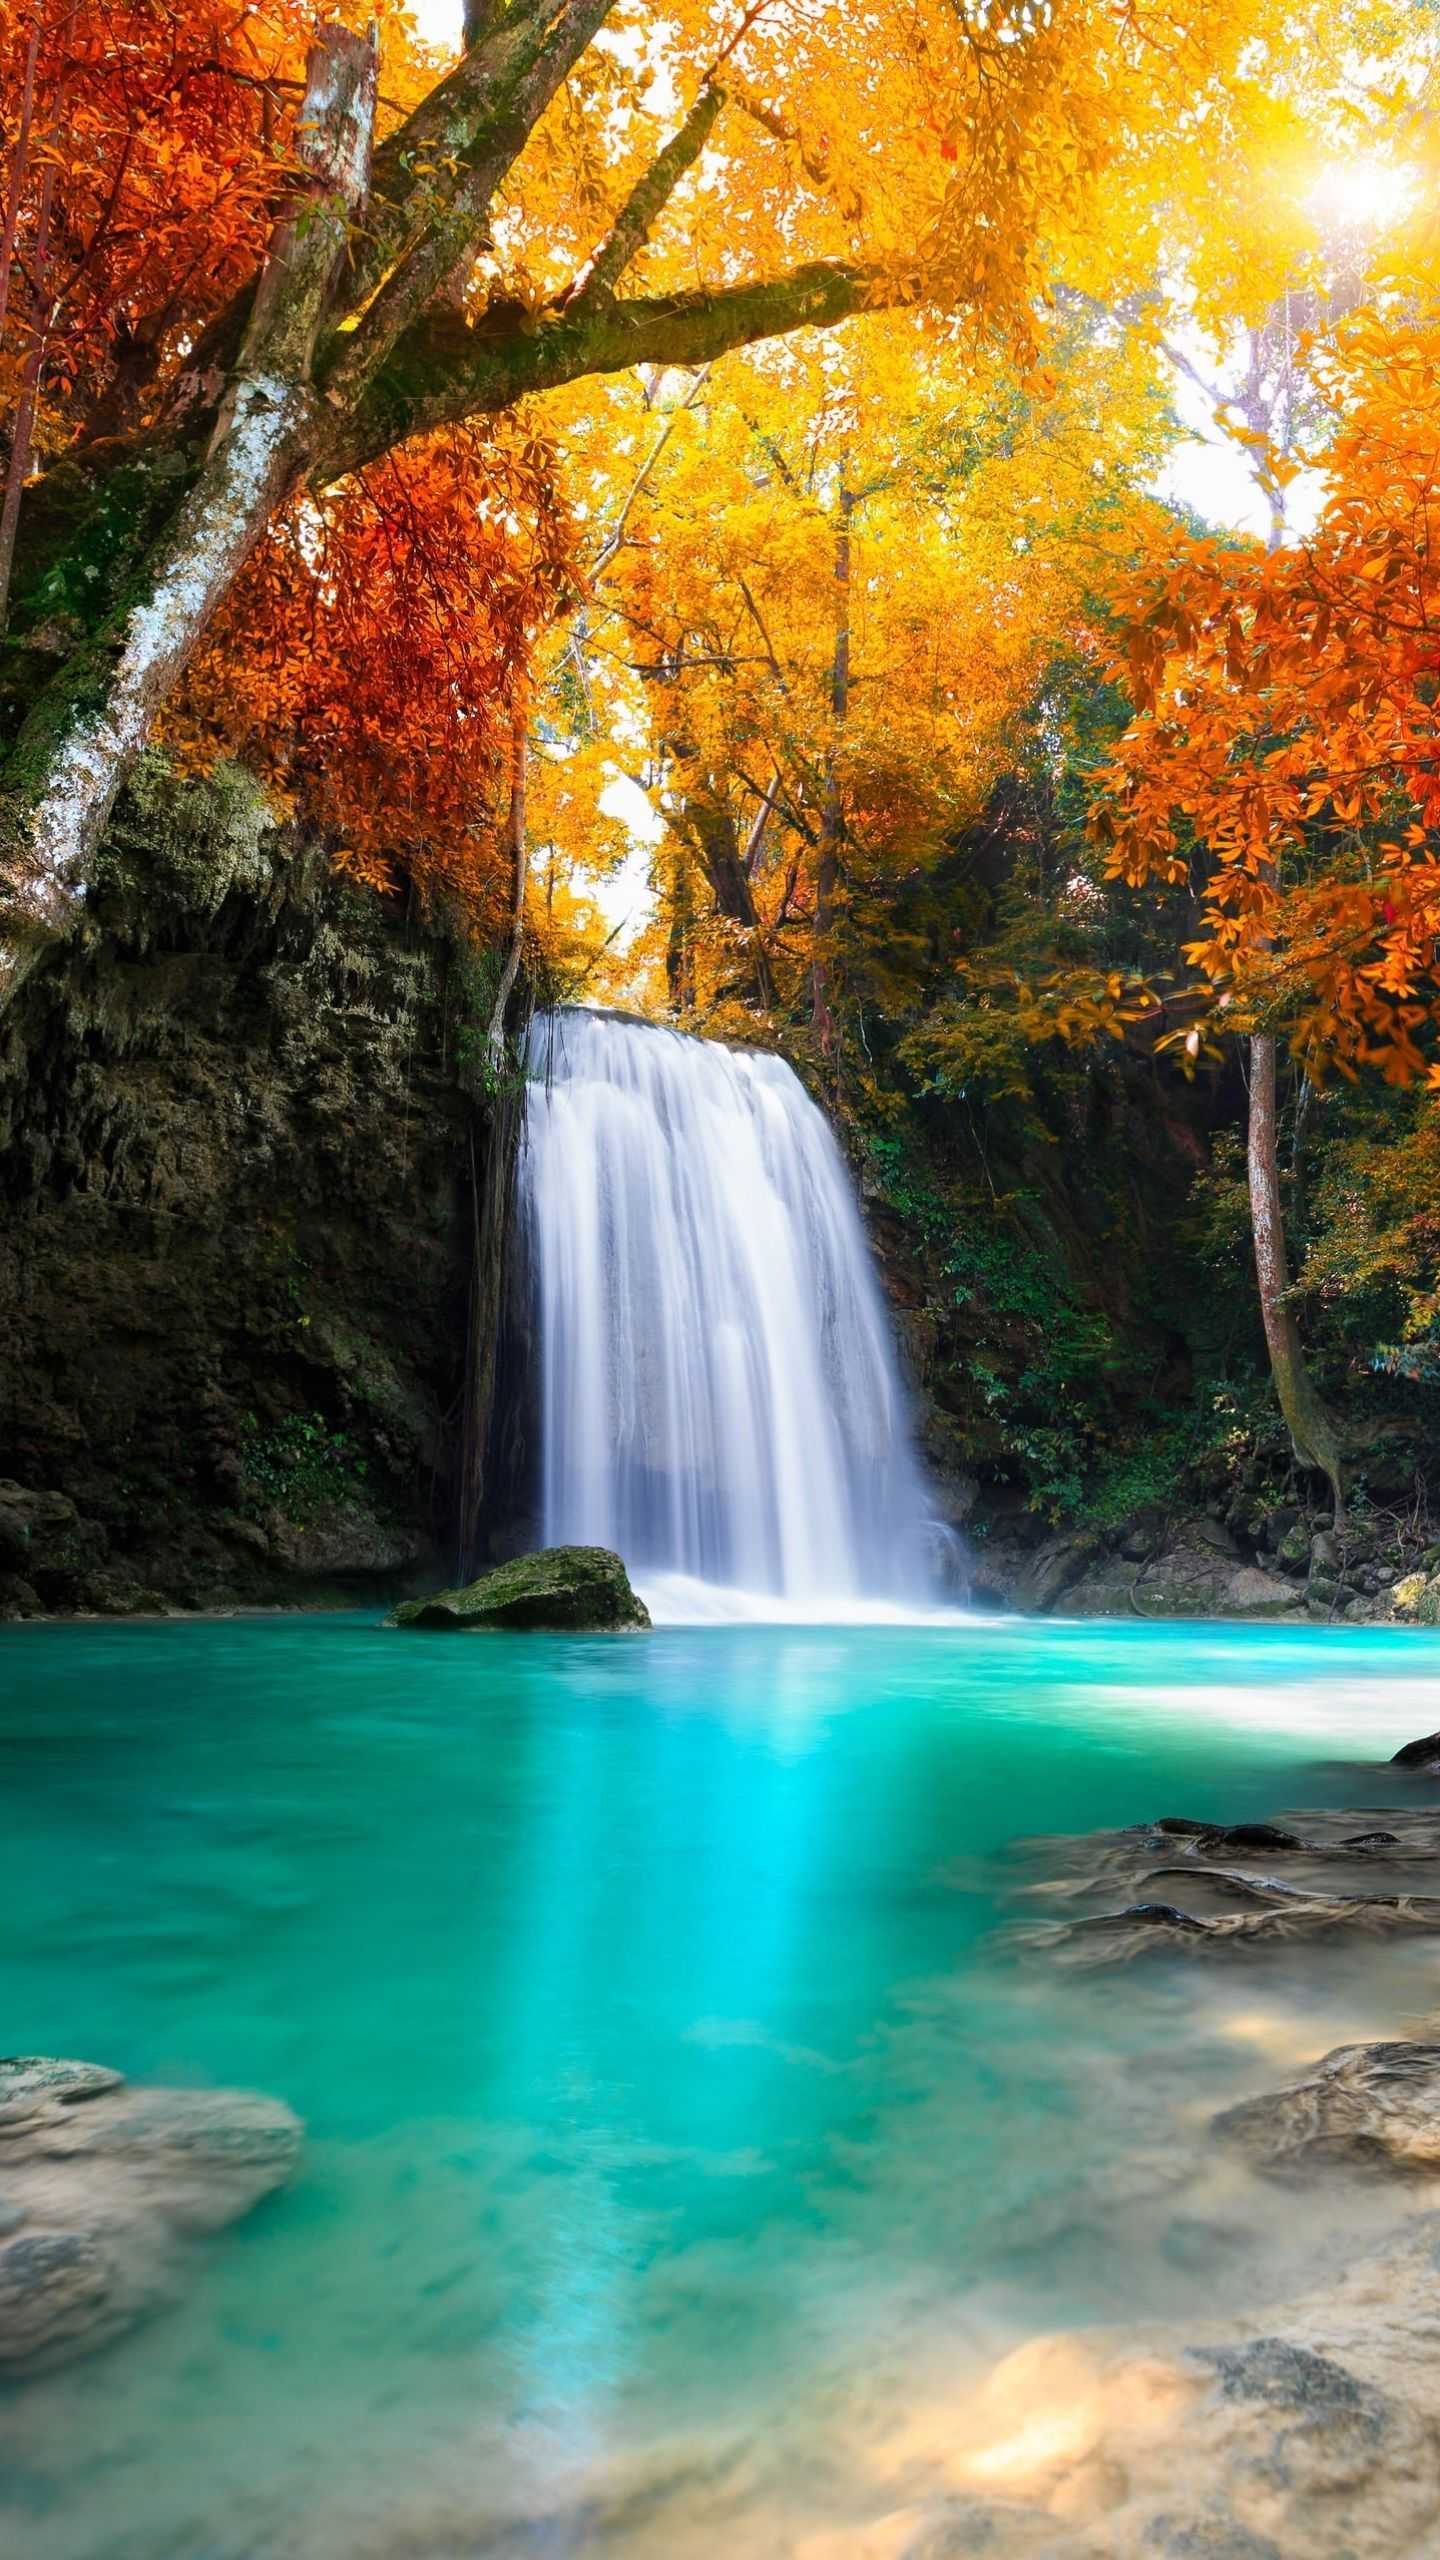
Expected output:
{"points": [[349, 342], [88, 726]]}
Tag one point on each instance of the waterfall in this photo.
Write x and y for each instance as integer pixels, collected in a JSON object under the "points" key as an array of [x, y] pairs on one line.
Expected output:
{"points": [[718, 1391]]}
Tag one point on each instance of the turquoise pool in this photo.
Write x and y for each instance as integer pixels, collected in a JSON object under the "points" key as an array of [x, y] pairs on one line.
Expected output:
{"points": [[677, 2120]]}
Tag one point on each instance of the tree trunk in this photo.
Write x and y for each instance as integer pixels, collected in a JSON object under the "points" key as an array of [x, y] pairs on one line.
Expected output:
{"points": [[519, 868], [501, 1123], [23, 430], [1312, 1432], [338, 353], [679, 969], [713, 828], [86, 729], [832, 816], [19, 164], [1313, 1436]]}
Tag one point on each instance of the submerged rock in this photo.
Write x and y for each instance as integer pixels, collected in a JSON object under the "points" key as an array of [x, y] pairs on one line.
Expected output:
{"points": [[100, 2186], [1312, 2439], [1424, 1754], [1367, 2105], [576, 1589], [1281, 1917], [1197, 1887]]}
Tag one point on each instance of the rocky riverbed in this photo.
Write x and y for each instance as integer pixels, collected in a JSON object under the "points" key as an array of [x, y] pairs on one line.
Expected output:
{"points": [[1277, 1563], [1307, 2431], [1310, 2434], [104, 2191]]}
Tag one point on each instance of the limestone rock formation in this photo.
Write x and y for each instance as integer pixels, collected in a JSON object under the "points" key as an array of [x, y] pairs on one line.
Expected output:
{"points": [[236, 1227], [1422, 1756], [1312, 2438]]}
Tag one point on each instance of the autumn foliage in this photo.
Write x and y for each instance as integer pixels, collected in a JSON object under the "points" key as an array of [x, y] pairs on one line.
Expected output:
{"points": [[146, 143], [1284, 755], [809, 625], [368, 663]]}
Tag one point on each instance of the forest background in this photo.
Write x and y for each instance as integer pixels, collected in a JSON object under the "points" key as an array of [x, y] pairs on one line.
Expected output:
{"points": [[747, 446]]}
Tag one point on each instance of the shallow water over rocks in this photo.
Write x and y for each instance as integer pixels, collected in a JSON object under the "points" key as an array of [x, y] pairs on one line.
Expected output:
{"points": [[693, 2168]]}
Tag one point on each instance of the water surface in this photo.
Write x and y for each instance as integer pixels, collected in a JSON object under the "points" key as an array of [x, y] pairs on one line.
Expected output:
{"points": [[677, 2123]]}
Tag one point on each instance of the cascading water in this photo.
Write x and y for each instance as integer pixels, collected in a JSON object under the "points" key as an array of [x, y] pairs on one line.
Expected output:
{"points": [[718, 1391]]}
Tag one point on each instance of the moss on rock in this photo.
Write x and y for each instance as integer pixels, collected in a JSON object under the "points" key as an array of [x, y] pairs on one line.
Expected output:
{"points": [[578, 1589]]}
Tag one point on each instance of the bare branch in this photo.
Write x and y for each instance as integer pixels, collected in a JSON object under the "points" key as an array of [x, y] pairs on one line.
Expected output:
{"points": [[647, 201], [616, 534]]}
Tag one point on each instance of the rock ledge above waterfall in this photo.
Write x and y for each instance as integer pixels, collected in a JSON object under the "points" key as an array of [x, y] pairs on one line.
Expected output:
{"points": [[577, 1590]]}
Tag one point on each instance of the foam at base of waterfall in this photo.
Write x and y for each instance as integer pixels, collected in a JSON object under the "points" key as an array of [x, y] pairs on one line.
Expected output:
{"points": [[682, 1600]]}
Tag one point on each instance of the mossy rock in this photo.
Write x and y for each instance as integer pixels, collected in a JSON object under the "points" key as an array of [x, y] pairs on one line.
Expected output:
{"points": [[1417, 1597], [581, 1590]]}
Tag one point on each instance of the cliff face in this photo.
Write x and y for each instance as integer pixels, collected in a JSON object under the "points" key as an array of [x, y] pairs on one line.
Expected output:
{"points": [[1092, 1395], [236, 1223]]}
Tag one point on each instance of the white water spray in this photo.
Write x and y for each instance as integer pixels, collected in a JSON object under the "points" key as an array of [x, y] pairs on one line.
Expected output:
{"points": [[718, 1391]]}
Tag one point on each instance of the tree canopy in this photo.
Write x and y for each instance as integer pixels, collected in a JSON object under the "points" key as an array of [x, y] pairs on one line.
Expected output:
{"points": [[251, 263]]}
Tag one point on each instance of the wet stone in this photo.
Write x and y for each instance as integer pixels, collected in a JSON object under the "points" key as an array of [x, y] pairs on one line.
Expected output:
{"points": [[103, 2187], [1424, 1754]]}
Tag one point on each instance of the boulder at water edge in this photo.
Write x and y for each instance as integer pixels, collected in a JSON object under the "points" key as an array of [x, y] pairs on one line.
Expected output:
{"points": [[101, 2188], [581, 1590]]}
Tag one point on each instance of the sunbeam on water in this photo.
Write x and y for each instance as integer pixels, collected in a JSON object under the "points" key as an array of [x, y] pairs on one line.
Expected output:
{"points": [[689, 2159]]}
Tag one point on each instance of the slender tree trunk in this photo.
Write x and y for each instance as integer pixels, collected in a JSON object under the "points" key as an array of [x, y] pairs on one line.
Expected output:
{"points": [[519, 867], [1312, 1432], [500, 1122], [1313, 1435], [832, 816], [22, 433]]}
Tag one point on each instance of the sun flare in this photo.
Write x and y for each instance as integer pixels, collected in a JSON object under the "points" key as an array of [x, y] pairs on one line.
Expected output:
{"points": [[1366, 193]]}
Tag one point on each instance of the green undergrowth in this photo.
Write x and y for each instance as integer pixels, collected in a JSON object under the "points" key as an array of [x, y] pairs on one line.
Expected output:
{"points": [[300, 1464]]}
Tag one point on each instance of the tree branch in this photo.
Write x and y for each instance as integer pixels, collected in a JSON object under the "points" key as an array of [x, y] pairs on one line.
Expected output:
{"points": [[646, 202], [435, 179], [813, 159], [443, 370], [616, 534]]}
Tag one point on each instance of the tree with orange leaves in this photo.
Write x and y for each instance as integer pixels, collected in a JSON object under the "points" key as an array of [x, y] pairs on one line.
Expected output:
{"points": [[1284, 756], [1286, 730], [357, 251]]}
